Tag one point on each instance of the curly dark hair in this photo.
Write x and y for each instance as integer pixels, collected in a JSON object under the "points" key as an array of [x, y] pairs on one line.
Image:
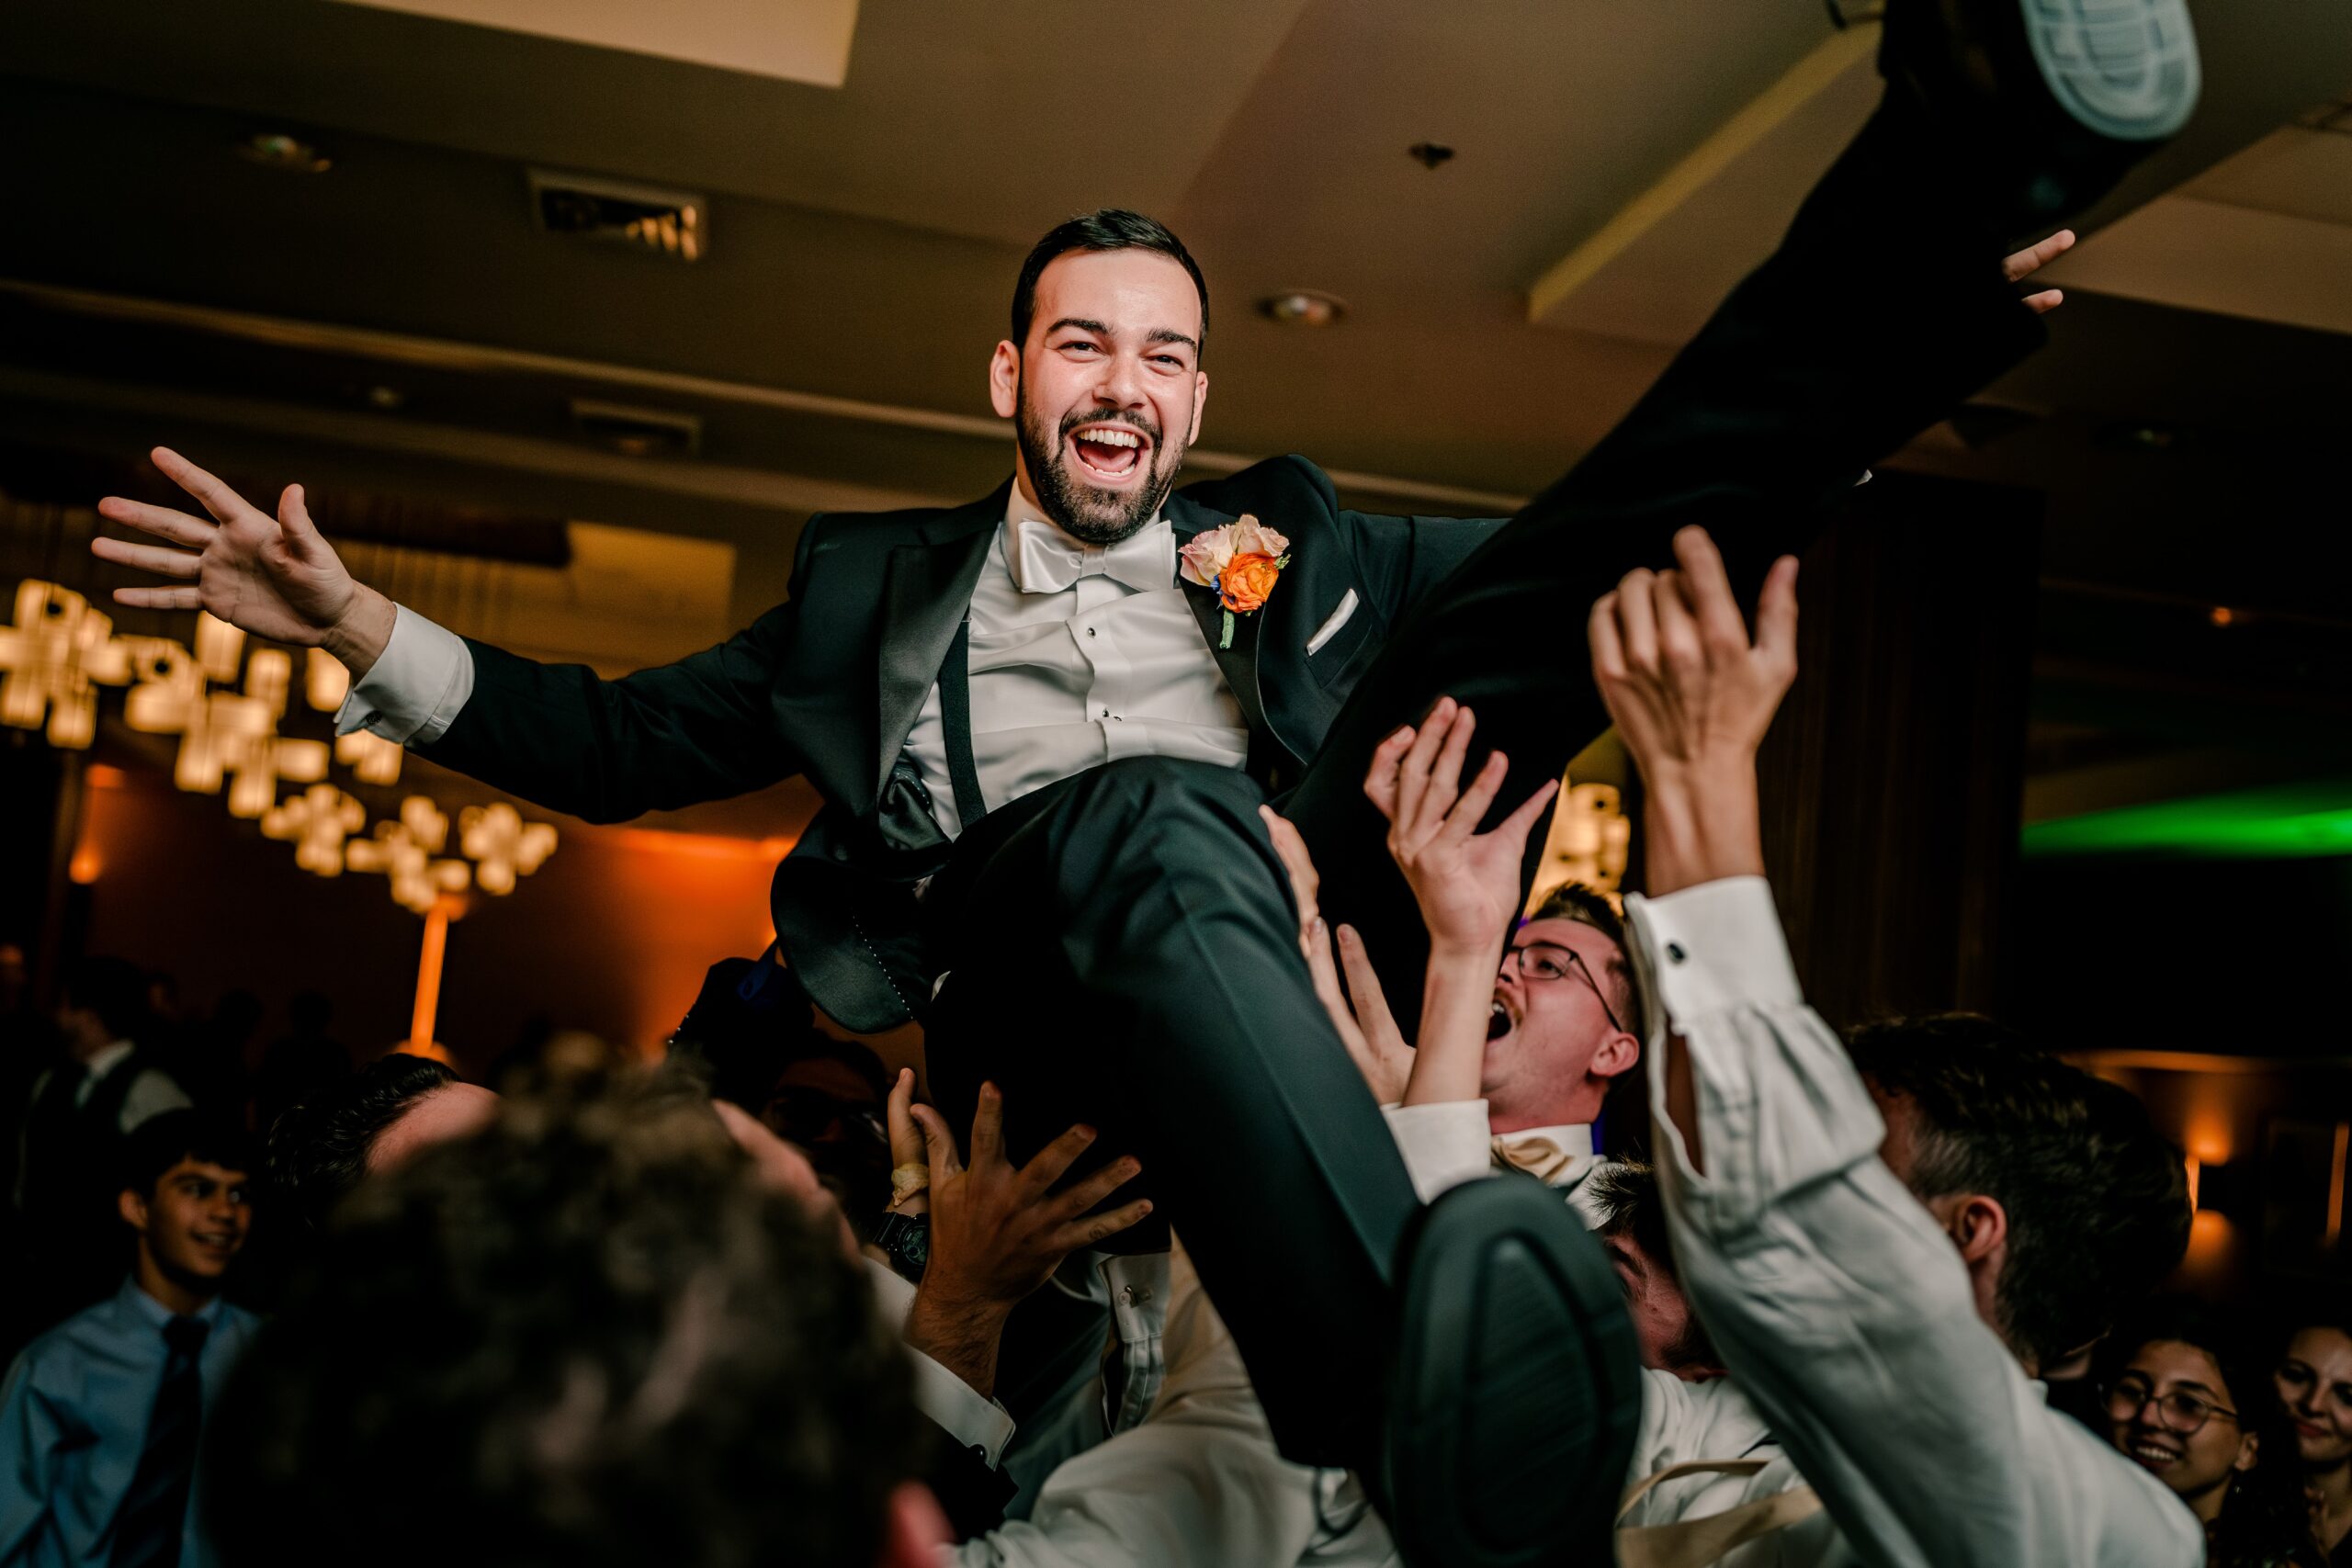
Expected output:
{"points": [[584, 1340], [2097, 1201], [318, 1148]]}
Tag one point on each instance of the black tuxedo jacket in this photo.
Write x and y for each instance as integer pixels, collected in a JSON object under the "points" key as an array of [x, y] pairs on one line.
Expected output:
{"points": [[829, 684]]}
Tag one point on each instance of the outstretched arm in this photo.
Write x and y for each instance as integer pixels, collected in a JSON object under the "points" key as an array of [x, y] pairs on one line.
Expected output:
{"points": [[556, 734]]}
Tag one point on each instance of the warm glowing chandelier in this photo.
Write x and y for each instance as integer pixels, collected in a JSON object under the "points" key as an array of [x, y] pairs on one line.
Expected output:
{"points": [[225, 705]]}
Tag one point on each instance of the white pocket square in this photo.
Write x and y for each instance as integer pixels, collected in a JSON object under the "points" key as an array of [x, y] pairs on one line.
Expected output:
{"points": [[1330, 628]]}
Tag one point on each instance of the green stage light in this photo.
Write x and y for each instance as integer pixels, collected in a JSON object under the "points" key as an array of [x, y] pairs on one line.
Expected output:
{"points": [[2290, 822]]}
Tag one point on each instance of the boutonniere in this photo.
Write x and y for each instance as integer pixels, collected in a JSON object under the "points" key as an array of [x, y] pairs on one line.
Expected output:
{"points": [[1242, 562]]}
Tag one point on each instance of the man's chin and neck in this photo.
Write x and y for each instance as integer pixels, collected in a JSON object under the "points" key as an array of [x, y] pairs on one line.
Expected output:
{"points": [[1092, 515], [182, 1292]]}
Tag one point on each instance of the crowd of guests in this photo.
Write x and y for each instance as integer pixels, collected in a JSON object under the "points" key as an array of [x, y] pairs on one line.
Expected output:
{"points": [[762, 1304]]}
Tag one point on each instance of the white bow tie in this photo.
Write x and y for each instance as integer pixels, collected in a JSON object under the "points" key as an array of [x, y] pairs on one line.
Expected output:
{"points": [[1044, 559]]}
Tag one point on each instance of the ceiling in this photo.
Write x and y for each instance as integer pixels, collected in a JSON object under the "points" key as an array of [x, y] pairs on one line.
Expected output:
{"points": [[398, 322]]}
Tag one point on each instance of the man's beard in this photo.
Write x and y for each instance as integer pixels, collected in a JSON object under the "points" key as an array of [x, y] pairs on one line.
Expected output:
{"points": [[1085, 512]]}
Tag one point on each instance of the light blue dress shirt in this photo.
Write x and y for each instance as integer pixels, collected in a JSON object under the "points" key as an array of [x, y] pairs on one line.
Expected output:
{"points": [[73, 1420]]}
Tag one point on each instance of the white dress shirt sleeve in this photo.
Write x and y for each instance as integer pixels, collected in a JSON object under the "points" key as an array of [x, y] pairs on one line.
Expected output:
{"points": [[415, 687], [1444, 1144], [970, 1419], [1198, 1483], [1835, 1300]]}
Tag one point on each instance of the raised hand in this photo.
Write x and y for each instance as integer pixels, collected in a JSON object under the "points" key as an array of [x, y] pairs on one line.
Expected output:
{"points": [[272, 577], [998, 1231], [1360, 1012], [1467, 882], [1692, 696], [2032, 259]]}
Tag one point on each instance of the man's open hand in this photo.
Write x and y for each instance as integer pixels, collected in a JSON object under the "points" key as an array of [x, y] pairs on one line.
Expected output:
{"points": [[274, 577], [1467, 882], [1359, 1011], [998, 1231], [1692, 696]]}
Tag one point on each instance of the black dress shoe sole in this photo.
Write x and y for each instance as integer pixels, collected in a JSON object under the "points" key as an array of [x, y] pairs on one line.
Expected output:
{"points": [[1516, 1390], [2126, 70]]}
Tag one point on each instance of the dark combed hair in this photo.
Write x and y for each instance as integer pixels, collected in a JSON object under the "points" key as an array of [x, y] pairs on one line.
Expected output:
{"points": [[2264, 1521], [317, 1150], [1574, 901], [1109, 228], [165, 1139], [584, 1340], [1632, 1206], [114, 989], [2097, 1202]]}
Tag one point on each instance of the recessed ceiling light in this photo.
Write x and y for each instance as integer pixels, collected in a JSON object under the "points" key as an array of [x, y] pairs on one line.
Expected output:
{"points": [[275, 150], [1302, 307]]}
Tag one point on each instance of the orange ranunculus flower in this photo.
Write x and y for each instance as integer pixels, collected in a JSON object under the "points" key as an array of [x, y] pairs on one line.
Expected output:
{"points": [[1249, 578]]}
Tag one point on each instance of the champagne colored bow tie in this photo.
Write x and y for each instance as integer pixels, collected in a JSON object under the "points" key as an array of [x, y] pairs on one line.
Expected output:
{"points": [[1540, 1158], [1044, 559]]}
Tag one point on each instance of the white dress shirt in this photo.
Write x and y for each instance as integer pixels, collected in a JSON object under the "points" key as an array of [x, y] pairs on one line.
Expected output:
{"points": [[1061, 679], [1841, 1307], [970, 1419]]}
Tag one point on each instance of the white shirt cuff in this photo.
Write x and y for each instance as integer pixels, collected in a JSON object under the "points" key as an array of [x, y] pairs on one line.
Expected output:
{"points": [[1713, 947], [970, 1419], [1444, 1144], [414, 689]]}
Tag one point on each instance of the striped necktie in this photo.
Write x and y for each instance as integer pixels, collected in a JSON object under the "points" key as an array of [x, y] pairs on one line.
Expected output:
{"points": [[147, 1531]]}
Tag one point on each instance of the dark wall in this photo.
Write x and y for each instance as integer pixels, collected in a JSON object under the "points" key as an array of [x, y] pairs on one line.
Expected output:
{"points": [[1892, 778]]}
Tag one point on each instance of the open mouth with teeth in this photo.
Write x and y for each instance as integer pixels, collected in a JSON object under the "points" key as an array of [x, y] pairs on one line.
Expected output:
{"points": [[1499, 1022], [1112, 453], [2152, 1455]]}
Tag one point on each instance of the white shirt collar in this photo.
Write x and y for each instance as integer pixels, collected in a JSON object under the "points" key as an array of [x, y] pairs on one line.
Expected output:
{"points": [[108, 1059], [1574, 1138]]}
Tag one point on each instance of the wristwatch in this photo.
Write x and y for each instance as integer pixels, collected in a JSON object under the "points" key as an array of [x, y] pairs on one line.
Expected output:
{"points": [[905, 1240]]}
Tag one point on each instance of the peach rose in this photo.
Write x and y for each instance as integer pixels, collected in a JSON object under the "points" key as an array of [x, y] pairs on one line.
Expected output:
{"points": [[1253, 538], [1205, 560], [1247, 578]]}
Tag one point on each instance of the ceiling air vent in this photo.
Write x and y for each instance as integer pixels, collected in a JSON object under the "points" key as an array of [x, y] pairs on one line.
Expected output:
{"points": [[667, 222], [637, 432]]}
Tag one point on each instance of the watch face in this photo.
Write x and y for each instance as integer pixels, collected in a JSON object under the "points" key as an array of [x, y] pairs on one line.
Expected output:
{"points": [[907, 1241]]}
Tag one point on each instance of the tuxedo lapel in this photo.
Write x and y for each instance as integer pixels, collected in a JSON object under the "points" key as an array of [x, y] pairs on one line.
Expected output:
{"points": [[1240, 662], [927, 588]]}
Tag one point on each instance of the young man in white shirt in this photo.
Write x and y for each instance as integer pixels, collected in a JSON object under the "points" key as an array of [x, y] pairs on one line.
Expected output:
{"points": [[1885, 1267]]}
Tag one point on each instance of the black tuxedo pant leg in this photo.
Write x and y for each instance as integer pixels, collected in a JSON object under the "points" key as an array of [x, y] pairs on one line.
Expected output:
{"points": [[1123, 947], [1883, 311]]}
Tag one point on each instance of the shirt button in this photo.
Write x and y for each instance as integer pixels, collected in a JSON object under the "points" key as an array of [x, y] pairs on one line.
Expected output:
{"points": [[1106, 713], [1674, 952], [1089, 631]]}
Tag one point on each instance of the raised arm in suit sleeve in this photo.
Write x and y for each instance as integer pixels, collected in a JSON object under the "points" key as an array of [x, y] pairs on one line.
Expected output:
{"points": [[702, 729], [1839, 1305], [1402, 558]]}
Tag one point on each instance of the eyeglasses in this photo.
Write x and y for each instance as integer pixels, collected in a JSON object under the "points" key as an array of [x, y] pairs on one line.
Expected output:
{"points": [[1540, 961], [2180, 1411], [810, 1115]]}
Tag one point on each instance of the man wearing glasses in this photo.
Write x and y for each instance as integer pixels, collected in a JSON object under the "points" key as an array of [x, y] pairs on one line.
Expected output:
{"points": [[1516, 1049]]}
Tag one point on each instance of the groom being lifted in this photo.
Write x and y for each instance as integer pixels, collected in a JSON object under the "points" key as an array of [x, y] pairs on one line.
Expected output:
{"points": [[1043, 724]]}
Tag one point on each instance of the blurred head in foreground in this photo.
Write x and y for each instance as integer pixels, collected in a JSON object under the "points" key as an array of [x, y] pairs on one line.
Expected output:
{"points": [[588, 1335]]}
